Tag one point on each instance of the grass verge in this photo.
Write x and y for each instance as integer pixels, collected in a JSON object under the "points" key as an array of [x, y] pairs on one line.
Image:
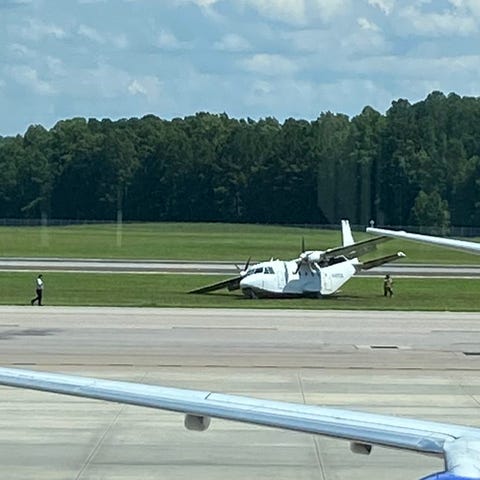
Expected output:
{"points": [[196, 241], [170, 291]]}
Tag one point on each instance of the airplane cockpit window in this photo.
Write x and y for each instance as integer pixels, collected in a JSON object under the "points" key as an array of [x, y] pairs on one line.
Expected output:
{"points": [[259, 270]]}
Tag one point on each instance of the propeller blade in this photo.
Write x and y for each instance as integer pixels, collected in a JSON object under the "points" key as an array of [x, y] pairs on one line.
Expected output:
{"points": [[243, 270], [303, 244]]}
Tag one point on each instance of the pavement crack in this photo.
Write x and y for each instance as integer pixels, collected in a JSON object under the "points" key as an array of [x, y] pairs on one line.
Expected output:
{"points": [[316, 445], [99, 443]]}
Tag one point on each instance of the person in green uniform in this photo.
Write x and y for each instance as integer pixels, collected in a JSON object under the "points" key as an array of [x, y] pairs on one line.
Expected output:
{"points": [[387, 286]]}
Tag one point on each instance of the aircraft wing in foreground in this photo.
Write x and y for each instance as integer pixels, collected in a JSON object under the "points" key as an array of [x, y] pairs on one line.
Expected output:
{"points": [[458, 445], [464, 245]]}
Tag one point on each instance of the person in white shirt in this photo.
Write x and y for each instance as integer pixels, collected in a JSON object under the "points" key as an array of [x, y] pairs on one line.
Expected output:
{"points": [[38, 290]]}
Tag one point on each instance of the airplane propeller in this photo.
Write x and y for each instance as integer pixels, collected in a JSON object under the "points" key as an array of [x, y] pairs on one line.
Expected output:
{"points": [[243, 271], [231, 283], [302, 257]]}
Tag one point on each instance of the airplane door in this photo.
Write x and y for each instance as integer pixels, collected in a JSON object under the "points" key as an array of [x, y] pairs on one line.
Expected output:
{"points": [[326, 285]]}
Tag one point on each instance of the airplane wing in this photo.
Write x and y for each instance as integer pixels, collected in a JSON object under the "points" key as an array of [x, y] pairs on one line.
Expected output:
{"points": [[459, 445], [355, 249], [471, 247], [230, 283]]}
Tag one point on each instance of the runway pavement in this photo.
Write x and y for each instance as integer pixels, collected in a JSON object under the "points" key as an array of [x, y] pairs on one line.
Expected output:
{"points": [[408, 363], [222, 268]]}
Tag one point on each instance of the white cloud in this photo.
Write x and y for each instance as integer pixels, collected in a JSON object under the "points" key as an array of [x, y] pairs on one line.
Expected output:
{"points": [[307, 99], [232, 43], [55, 66], [331, 49], [199, 3], [20, 50], [119, 41], [28, 77], [467, 6], [168, 41], [328, 9], [418, 68], [366, 41], [366, 24], [103, 82], [37, 30], [270, 65], [290, 57], [148, 86], [206, 6], [299, 12], [437, 24], [386, 6], [90, 33], [291, 11]]}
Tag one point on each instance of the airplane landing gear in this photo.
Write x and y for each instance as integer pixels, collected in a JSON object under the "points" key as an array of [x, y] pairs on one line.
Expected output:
{"points": [[249, 293]]}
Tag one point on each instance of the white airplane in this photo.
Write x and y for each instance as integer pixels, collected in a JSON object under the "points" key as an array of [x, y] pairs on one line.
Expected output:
{"points": [[463, 245], [458, 445], [314, 273]]}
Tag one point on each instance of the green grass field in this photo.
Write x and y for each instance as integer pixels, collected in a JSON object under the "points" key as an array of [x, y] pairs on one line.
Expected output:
{"points": [[170, 291], [196, 241], [213, 242]]}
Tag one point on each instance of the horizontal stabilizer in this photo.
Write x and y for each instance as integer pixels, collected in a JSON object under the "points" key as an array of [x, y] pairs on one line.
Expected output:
{"points": [[230, 284], [380, 261], [355, 249]]}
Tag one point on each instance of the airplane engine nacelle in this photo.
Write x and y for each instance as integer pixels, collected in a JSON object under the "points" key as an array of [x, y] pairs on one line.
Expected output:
{"points": [[361, 448], [197, 423], [315, 257]]}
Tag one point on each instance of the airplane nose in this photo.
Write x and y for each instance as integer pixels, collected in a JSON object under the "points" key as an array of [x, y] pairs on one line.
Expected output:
{"points": [[247, 286], [245, 283]]}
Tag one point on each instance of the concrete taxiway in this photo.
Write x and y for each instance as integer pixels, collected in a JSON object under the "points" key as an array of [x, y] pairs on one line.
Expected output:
{"points": [[408, 363], [211, 268]]}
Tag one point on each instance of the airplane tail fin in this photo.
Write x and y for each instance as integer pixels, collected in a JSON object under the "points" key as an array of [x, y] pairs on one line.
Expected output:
{"points": [[347, 237]]}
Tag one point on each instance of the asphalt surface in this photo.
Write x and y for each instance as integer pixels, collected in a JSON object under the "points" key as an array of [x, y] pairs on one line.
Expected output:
{"points": [[415, 364], [222, 268]]}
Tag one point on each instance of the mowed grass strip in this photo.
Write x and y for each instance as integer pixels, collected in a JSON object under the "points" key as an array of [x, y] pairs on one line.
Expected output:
{"points": [[157, 290], [198, 241]]}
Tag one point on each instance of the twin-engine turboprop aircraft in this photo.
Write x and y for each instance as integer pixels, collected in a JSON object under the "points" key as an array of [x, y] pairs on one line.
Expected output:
{"points": [[315, 273]]}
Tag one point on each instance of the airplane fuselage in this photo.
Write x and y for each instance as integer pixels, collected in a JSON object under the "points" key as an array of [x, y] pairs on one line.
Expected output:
{"points": [[278, 278]]}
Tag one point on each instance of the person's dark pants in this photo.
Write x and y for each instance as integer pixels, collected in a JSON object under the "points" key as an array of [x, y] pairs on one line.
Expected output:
{"points": [[38, 298]]}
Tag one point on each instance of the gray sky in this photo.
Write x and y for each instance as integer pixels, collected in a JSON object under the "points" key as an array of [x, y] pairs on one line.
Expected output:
{"points": [[248, 58]]}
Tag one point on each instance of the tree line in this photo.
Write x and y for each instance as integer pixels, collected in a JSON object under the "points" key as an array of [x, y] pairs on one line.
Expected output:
{"points": [[419, 164]]}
